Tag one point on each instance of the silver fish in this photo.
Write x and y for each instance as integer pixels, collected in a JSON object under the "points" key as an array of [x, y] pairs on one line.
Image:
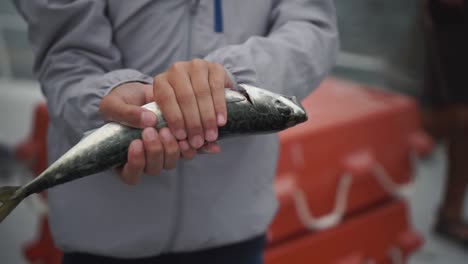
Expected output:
{"points": [[250, 111]]}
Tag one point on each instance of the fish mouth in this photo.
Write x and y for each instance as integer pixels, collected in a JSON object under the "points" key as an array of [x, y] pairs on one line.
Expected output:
{"points": [[294, 100], [300, 114], [303, 118]]}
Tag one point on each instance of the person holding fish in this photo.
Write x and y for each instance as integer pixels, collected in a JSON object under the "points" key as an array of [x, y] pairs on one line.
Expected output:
{"points": [[195, 66]]}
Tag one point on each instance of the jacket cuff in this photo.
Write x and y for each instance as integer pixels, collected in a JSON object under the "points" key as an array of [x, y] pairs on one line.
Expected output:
{"points": [[112, 79]]}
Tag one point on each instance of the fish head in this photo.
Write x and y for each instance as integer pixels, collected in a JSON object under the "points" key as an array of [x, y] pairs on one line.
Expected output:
{"points": [[287, 109]]}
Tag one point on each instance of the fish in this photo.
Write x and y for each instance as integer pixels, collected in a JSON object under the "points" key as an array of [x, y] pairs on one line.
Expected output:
{"points": [[250, 111]]}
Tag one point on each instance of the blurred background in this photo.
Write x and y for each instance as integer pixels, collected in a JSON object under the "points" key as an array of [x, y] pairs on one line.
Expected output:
{"points": [[382, 46]]}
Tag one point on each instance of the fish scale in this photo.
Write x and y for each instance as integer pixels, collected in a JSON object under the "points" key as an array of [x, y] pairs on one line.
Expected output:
{"points": [[250, 110]]}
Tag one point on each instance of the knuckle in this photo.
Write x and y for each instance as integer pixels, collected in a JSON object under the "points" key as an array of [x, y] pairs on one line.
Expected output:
{"points": [[103, 104], [216, 67], [163, 96], [154, 149], [175, 121], [198, 63], [194, 126], [172, 150], [177, 67], [216, 83], [203, 92], [185, 98], [159, 79]]}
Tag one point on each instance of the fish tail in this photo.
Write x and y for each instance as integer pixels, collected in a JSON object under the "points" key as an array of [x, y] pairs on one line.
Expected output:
{"points": [[9, 200]]}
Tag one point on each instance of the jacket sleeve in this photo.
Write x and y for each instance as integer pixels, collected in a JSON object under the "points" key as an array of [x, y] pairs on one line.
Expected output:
{"points": [[76, 61], [294, 56]]}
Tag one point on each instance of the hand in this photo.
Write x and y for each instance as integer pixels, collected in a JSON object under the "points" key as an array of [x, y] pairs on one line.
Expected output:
{"points": [[156, 151], [191, 97]]}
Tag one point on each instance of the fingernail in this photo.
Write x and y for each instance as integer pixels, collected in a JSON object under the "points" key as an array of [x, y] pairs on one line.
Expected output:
{"points": [[211, 135], [221, 120], [196, 141], [148, 119], [137, 147], [166, 134], [149, 134], [180, 134]]}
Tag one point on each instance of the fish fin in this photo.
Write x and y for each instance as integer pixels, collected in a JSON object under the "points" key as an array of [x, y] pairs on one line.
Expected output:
{"points": [[8, 204], [234, 96], [87, 133], [6, 192]]}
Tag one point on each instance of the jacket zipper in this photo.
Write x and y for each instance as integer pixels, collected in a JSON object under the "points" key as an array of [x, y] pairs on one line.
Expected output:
{"points": [[218, 16], [192, 9]]}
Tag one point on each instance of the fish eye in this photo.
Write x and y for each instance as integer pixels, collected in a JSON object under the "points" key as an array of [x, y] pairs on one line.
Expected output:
{"points": [[283, 109], [278, 103]]}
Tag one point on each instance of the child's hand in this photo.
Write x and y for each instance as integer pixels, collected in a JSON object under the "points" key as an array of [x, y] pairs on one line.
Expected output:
{"points": [[156, 151], [192, 100]]}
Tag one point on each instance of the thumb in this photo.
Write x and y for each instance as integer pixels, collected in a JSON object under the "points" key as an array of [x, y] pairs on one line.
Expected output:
{"points": [[115, 108]]}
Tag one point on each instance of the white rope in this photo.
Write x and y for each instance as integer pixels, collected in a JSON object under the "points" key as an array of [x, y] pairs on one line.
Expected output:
{"points": [[387, 183], [327, 221], [341, 200]]}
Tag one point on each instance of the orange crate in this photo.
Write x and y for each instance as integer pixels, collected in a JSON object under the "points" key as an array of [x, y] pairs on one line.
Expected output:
{"points": [[353, 153], [381, 235]]}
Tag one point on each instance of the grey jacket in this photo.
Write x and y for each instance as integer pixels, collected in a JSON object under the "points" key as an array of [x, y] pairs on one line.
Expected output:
{"points": [[84, 48]]}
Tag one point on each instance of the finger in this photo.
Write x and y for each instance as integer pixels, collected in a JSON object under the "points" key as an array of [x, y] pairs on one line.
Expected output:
{"points": [[179, 79], [114, 108], [132, 170], [166, 99], [186, 151], [210, 148], [153, 151], [201, 89], [218, 80], [149, 94], [171, 149]]}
